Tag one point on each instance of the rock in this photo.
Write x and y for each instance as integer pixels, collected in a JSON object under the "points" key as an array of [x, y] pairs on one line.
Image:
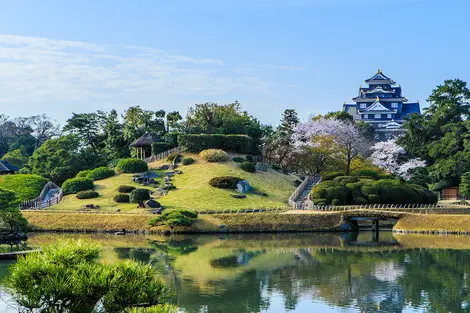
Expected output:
{"points": [[151, 181], [169, 174], [138, 180], [90, 206], [167, 233], [297, 183], [120, 233], [153, 204], [178, 172], [157, 211], [164, 167], [238, 196], [145, 184], [263, 167], [118, 210], [221, 226], [243, 187]]}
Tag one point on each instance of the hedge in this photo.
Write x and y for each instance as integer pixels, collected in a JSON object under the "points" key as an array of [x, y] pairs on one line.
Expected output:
{"points": [[101, 173], [122, 198], [159, 147], [131, 166], [125, 189], [248, 167], [174, 218], [233, 143], [213, 155], [25, 186], [238, 160], [87, 194], [83, 173], [225, 182], [188, 161], [77, 184]]}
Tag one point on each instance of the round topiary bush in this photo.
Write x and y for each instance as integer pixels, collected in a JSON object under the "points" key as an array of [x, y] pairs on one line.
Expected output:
{"points": [[87, 194], [83, 173], [336, 202], [131, 166], [100, 173], [225, 182], [188, 161], [139, 195], [248, 167], [214, 155], [74, 185], [125, 189], [238, 160], [122, 198]]}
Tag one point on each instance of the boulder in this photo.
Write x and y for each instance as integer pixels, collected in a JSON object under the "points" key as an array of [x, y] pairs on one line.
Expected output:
{"points": [[164, 167], [243, 187], [169, 174], [153, 204], [263, 167]]}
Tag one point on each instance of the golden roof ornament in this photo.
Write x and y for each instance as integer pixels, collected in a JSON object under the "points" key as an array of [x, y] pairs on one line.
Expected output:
{"points": [[377, 99], [379, 71]]}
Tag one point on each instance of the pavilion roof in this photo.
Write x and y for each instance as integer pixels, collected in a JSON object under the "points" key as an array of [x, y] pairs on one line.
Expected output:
{"points": [[7, 167], [145, 140]]}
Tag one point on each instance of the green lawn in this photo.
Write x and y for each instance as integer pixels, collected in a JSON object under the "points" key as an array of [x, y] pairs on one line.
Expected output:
{"points": [[193, 191]]}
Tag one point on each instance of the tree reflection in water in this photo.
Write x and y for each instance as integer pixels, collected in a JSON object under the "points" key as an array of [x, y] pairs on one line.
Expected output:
{"points": [[245, 273]]}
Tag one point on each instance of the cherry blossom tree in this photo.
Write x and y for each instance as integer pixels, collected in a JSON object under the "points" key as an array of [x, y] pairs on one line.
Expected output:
{"points": [[392, 158], [346, 136]]}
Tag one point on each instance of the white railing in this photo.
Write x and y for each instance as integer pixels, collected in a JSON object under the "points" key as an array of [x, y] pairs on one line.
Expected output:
{"points": [[293, 200], [397, 208], [162, 155], [40, 202]]}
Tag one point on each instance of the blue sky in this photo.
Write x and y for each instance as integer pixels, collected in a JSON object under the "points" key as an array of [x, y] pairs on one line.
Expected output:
{"points": [[58, 57]]}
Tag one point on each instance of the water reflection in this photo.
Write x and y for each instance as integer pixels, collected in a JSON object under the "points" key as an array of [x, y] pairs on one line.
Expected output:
{"points": [[303, 272]]}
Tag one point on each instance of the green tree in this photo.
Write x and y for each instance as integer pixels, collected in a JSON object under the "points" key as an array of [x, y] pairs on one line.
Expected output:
{"points": [[340, 115], [137, 121], [290, 119], [89, 128], [464, 187], [116, 146], [16, 158], [172, 120]]}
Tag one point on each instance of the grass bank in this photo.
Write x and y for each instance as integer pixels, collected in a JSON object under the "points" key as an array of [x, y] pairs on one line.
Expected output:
{"points": [[434, 223], [253, 222]]}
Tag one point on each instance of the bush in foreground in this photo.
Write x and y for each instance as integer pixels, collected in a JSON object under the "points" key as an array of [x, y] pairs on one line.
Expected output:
{"points": [[100, 173], [122, 198], [87, 194], [69, 275], [74, 185], [188, 161], [248, 167], [139, 195], [131, 166], [214, 155], [175, 218], [125, 189], [225, 182]]}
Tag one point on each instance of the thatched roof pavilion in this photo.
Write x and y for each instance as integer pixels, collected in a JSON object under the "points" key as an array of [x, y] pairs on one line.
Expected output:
{"points": [[7, 168], [144, 142]]}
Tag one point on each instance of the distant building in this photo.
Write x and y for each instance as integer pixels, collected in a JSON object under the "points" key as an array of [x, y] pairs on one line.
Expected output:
{"points": [[6, 168], [382, 105]]}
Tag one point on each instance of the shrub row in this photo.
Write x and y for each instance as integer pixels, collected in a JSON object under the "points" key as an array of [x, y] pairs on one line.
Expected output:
{"points": [[225, 182], [100, 173], [77, 184], [87, 194], [131, 166], [213, 155], [233, 143], [159, 147], [344, 190], [174, 218]]}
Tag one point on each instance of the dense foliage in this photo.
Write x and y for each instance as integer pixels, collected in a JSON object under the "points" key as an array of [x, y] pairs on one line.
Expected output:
{"points": [[83, 173], [225, 182], [172, 156], [365, 190], [131, 166], [464, 187], [174, 218], [139, 195], [74, 185], [125, 189], [188, 161], [248, 167], [100, 173], [233, 143], [25, 186], [122, 198], [159, 147], [213, 155], [238, 160], [69, 277], [87, 194]]}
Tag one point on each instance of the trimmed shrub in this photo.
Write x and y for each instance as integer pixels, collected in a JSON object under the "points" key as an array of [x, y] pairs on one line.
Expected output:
{"points": [[131, 166], [343, 180], [139, 195], [248, 167], [74, 185], [320, 201], [331, 176], [101, 173], [83, 173], [367, 173], [188, 161], [360, 201], [174, 218], [263, 167], [249, 158], [233, 143], [113, 163], [122, 198], [318, 193], [214, 155], [336, 202], [171, 157], [87, 194], [125, 189], [225, 182], [238, 160], [159, 147], [374, 199], [25, 186]]}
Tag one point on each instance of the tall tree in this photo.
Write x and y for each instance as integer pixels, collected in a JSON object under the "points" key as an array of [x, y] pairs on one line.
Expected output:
{"points": [[43, 128], [137, 121], [115, 144], [290, 119], [89, 128], [172, 120]]}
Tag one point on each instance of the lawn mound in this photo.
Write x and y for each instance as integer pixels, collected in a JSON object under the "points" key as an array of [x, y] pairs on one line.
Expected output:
{"points": [[193, 191]]}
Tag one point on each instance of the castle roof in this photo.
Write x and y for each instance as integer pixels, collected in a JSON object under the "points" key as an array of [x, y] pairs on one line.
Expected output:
{"points": [[377, 107], [6, 167], [380, 77]]}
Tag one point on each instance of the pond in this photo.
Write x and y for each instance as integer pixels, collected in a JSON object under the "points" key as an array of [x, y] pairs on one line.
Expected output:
{"points": [[354, 272]]}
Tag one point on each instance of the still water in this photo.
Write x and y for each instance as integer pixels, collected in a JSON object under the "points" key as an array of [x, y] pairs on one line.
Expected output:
{"points": [[358, 272]]}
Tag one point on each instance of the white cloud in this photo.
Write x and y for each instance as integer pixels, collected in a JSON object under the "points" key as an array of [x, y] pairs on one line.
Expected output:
{"points": [[37, 73]]}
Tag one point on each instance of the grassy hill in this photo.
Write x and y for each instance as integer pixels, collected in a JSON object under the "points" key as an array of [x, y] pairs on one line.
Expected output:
{"points": [[193, 191]]}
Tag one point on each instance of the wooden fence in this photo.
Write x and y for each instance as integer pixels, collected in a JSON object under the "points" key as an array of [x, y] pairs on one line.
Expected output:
{"points": [[162, 155], [39, 203]]}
